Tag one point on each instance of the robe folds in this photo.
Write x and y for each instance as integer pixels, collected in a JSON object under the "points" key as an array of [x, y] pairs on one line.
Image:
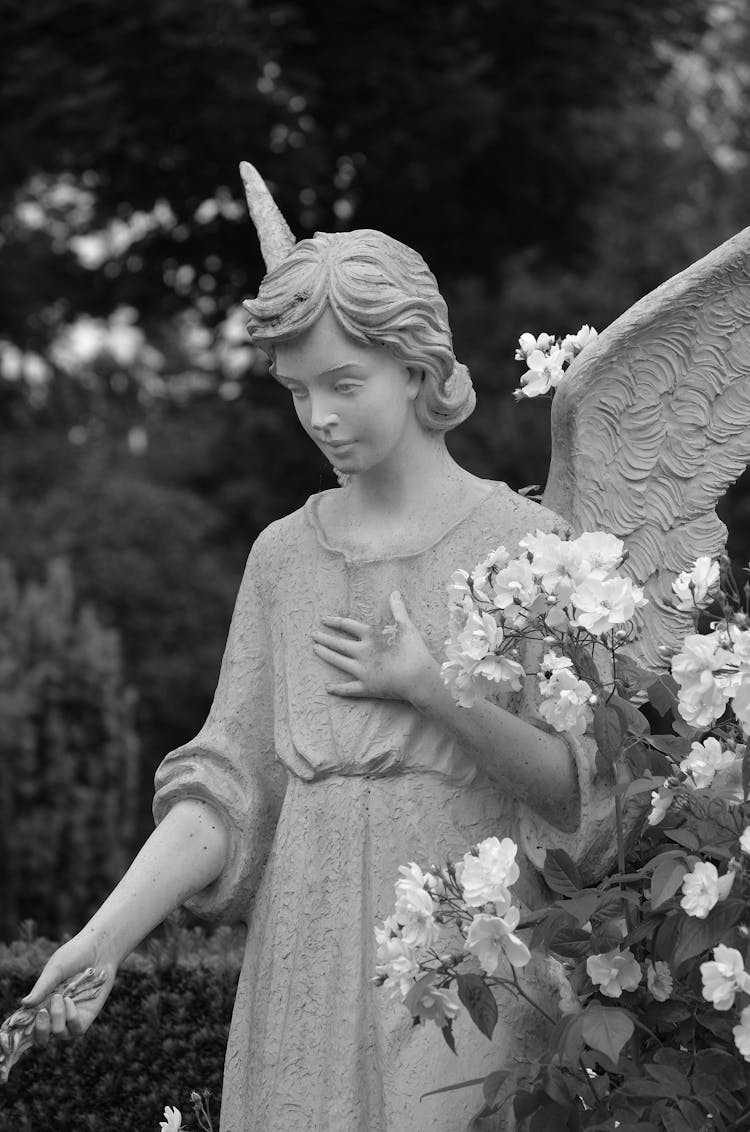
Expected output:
{"points": [[323, 798]]}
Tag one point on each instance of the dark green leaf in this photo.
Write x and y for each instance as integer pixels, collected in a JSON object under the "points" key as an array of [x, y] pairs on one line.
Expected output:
{"points": [[606, 1029], [667, 880], [610, 729], [674, 1121], [683, 836], [561, 873], [461, 1084], [666, 937], [719, 1063], [582, 907], [479, 1001], [493, 1083], [551, 1118], [670, 745], [662, 694], [674, 1082], [696, 935], [630, 673], [704, 1084], [571, 943], [585, 664], [546, 928], [636, 720], [642, 1087], [447, 1032]]}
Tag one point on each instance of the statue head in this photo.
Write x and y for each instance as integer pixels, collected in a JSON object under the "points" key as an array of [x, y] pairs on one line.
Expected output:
{"points": [[382, 294]]}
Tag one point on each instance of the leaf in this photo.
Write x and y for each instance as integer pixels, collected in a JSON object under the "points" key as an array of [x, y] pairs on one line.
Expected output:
{"points": [[493, 1083], [571, 943], [636, 720], [662, 694], [683, 836], [631, 673], [718, 1063], [546, 928], [479, 1001], [675, 1083], [643, 930], [462, 1084], [674, 1121], [566, 1040], [561, 873], [666, 937], [551, 1118], [447, 1032], [610, 729], [642, 786], [746, 771], [606, 1029], [696, 936], [582, 907], [642, 1087], [666, 880], [585, 664], [670, 745]]}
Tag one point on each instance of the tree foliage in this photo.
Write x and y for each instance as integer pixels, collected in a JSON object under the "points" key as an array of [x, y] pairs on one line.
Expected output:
{"points": [[69, 755]]}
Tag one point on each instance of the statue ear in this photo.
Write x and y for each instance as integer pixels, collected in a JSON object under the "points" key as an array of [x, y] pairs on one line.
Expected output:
{"points": [[416, 381]]}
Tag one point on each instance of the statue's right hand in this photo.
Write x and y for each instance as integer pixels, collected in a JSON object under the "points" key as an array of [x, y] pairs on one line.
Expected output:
{"points": [[61, 1016]]}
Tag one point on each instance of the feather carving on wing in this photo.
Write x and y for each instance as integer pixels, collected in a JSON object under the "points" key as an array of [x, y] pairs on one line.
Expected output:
{"points": [[652, 424]]}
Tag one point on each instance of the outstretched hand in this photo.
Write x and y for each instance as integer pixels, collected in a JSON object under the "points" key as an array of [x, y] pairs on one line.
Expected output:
{"points": [[388, 663], [62, 1016]]}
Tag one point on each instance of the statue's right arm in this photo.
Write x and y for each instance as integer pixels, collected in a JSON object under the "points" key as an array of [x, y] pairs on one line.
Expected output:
{"points": [[184, 854]]}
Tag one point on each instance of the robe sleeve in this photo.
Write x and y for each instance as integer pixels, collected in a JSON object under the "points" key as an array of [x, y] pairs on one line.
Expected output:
{"points": [[231, 763], [593, 843]]}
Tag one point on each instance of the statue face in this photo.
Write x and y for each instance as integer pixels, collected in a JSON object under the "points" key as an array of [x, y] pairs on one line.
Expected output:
{"points": [[355, 401]]}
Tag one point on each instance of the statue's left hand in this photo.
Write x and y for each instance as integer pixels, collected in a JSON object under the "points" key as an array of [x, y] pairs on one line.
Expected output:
{"points": [[385, 664]]}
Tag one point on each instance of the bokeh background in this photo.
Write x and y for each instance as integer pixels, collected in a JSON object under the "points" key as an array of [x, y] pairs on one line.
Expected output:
{"points": [[553, 161]]}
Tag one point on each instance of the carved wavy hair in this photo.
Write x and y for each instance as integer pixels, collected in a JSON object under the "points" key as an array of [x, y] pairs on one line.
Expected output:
{"points": [[383, 294]]}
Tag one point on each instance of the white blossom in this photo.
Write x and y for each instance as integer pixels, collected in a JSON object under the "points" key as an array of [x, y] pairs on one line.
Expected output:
{"points": [[172, 1121], [491, 937], [704, 760], [527, 343], [487, 875], [745, 840], [659, 980], [614, 971], [694, 588], [704, 691], [742, 1034], [415, 908], [565, 703], [661, 800], [724, 977], [545, 372], [395, 959], [602, 604], [572, 344], [703, 888], [429, 1003]]}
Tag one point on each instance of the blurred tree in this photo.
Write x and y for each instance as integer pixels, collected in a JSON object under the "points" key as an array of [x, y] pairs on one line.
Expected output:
{"points": [[69, 754]]}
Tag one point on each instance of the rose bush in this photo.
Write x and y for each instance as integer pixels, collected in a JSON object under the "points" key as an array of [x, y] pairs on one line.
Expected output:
{"points": [[652, 1028]]}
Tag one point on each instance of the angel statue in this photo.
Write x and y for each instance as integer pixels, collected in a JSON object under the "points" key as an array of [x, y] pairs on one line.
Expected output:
{"points": [[333, 751]]}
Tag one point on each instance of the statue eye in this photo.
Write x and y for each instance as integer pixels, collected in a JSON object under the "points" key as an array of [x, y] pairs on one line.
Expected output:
{"points": [[298, 392], [346, 387]]}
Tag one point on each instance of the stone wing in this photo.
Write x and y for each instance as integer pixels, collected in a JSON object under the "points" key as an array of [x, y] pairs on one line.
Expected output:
{"points": [[652, 424]]}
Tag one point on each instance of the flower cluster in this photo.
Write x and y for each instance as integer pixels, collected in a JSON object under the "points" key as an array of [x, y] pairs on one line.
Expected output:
{"points": [[557, 591], [443, 918], [547, 359]]}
